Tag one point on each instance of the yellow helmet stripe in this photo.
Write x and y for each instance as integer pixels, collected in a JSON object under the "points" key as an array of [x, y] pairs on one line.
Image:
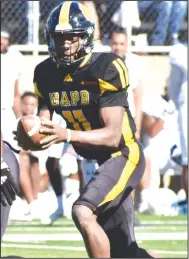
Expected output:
{"points": [[64, 13]]}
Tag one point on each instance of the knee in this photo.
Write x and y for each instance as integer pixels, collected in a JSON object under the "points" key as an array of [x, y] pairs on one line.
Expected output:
{"points": [[82, 216]]}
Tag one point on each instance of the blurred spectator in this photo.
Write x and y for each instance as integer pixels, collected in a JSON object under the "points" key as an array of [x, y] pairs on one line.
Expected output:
{"points": [[29, 103], [168, 18], [159, 135], [178, 87], [71, 179], [33, 176], [54, 154], [11, 66], [91, 6], [119, 44], [29, 180]]}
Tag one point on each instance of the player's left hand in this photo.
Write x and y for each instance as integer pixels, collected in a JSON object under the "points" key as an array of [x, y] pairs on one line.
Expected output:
{"points": [[57, 133]]}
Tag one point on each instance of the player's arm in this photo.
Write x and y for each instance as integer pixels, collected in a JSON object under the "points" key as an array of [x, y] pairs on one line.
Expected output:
{"points": [[109, 135], [17, 100]]}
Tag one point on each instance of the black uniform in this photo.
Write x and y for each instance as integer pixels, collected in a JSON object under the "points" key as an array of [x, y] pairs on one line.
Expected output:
{"points": [[100, 81]]}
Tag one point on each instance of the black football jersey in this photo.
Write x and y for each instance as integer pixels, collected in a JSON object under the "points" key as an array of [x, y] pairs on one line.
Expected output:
{"points": [[100, 81]]}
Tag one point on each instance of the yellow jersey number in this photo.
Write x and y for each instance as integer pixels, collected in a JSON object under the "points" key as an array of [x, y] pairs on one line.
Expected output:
{"points": [[75, 117]]}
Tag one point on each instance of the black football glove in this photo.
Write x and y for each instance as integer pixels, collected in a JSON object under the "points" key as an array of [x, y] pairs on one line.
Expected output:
{"points": [[8, 186]]}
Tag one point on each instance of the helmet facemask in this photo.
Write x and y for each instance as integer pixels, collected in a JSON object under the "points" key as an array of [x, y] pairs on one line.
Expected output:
{"points": [[57, 50]]}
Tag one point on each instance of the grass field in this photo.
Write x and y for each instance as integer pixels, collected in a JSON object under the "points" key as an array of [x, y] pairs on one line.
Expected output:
{"points": [[166, 235]]}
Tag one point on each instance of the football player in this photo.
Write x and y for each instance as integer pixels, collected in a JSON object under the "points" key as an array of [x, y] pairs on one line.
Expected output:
{"points": [[9, 182], [89, 91]]}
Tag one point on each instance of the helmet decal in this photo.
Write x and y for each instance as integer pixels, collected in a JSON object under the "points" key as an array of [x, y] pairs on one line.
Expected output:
{"points": [[64, 14]]}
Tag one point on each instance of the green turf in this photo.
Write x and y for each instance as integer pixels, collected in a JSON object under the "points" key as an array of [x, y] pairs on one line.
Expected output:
{"points": [[162, 218], [59, 228], [174, 256], [172, 245], [160, 230], [138, 216], [45, 253], [75, 231]]}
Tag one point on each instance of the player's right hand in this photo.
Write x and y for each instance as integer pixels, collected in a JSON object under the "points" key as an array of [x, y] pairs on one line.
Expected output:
{"points": [[8, 186]]}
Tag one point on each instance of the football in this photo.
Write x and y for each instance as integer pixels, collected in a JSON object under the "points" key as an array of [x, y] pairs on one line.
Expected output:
{"points": [[28, 135]]}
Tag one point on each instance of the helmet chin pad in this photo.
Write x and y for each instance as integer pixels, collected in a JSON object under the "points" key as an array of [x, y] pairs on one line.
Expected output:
{"points": [[76, 56]]}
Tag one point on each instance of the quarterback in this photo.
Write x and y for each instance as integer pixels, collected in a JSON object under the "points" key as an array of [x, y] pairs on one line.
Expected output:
{"points": [[89, 91]]}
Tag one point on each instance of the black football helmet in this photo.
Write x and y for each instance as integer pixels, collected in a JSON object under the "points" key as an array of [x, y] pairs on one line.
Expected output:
{"points": [[70, 17]]}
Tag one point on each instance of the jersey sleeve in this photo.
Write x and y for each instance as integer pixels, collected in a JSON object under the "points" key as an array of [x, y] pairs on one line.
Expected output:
{"points": [[42, 105], [113, 85]]}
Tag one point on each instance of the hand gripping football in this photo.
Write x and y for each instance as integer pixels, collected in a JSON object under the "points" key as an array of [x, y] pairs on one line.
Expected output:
{"points": [[28, 135]]}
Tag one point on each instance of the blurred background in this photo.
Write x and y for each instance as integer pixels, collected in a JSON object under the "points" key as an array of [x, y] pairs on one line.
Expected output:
{"points": [[152, 27], [26, 19]]}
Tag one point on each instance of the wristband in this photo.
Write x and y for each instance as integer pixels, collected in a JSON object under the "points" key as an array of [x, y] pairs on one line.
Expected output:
{"points": [[69, 135]]}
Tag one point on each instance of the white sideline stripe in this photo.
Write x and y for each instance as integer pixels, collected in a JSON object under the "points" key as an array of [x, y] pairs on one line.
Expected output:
{"points": [[34, 223], [78, 237], [161, 227], [143, 222], [42, 237], [70, 229], [163, 222], [79, 248], [42, 229], [46, 247]]}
